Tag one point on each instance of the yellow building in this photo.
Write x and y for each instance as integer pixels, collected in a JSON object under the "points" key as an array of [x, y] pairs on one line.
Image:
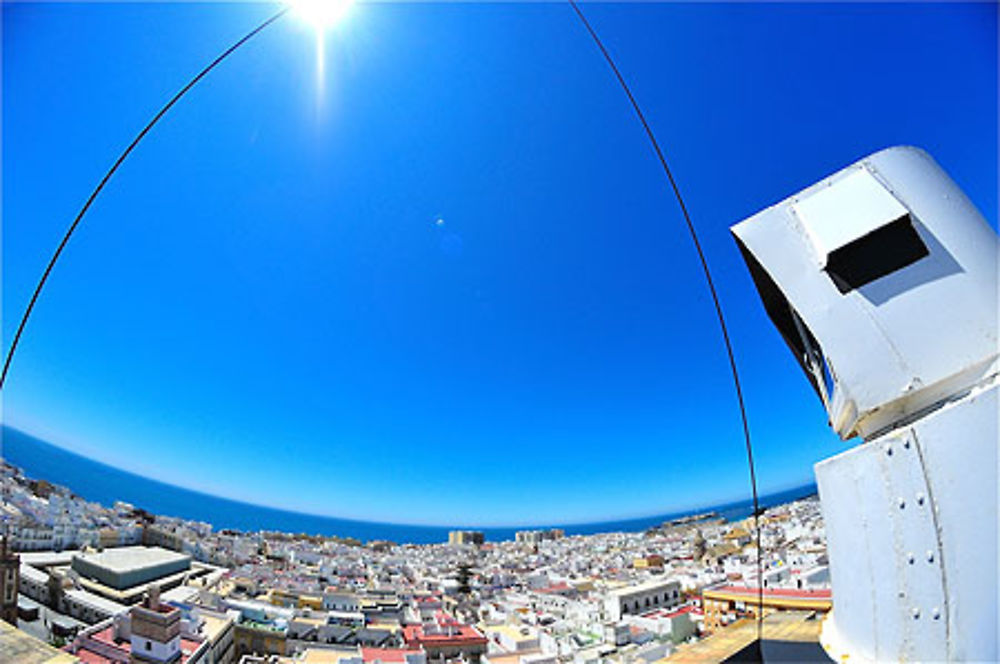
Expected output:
{"points": [[462, 537], [652, 561], [251, 637], [724, 601], [219, 630], [738, 535], [290, 599]]}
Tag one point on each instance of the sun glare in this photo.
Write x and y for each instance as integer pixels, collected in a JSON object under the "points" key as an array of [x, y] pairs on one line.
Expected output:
{"points": [[321, 13]]}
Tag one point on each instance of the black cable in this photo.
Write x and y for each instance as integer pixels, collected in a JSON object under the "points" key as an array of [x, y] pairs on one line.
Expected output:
{"points": [[711, 288], [653, 142], [111, 171]]}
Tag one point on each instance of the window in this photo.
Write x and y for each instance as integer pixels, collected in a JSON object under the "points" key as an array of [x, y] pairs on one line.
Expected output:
{"points": [[858, 230], [793, 329], [827, 377], [877, 254]]}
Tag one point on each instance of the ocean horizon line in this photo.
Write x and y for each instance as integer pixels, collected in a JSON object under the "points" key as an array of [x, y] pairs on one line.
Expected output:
{"points": [[93, 480]]}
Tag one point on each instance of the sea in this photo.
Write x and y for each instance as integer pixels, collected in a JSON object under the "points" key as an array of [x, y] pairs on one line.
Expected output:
{"points": [[97, 482]]}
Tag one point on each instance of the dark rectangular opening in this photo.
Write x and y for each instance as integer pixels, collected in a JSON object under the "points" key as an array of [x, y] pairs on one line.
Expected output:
{"points": [[791, 327], [771, 650], [875, 255]]}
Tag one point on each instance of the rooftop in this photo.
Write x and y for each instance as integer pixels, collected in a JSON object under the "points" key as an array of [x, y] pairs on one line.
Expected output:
{"points": [[801, 593], [667, 613], [820, 599], [641, 588], [213, 625], [514, 632], [21, 647], [325, 655], [129, 558], [387, 654], [88, 598], [784, 626], [106, 639]]}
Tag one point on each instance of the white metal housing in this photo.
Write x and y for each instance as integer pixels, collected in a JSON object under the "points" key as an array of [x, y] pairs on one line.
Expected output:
{"points": [[900, 342], [883, 280]]}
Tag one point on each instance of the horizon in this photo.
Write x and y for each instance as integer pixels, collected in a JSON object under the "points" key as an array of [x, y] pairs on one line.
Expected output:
{"points": [[439, 276], [593, 527]]}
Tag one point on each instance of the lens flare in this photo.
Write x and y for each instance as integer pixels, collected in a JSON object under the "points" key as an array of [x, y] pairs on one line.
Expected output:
{"points": [[321, 13]]}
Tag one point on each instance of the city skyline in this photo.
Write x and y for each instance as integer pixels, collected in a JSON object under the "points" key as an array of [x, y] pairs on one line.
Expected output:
{"points": [[534, 597], [498, 297], [106, 485]]}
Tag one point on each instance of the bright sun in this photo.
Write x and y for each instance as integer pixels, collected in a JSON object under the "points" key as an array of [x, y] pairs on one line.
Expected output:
{"points": [[321, 13]]}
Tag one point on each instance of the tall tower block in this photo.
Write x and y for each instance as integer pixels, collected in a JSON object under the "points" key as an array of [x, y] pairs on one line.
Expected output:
{"points": [[155, 631], [882, 280], [10, 573]]}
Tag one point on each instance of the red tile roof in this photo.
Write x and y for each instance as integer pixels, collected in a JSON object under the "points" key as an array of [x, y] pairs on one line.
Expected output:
{"points": [[90, 657], [794, 593], [105, 640], [456, 634], [666, 613], [107, 635], [684, 609]]}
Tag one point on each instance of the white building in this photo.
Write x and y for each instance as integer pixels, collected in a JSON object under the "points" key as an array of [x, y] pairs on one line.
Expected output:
{"points": [[640, 598]]}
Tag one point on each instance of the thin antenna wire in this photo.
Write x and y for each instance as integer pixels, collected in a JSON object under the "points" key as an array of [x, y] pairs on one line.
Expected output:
{"points": [[107, 176], [649, 133], [711, 288]]}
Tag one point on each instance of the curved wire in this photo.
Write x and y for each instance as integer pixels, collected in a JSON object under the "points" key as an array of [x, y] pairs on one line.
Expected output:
{"points": [[711, 288], [649, 133], [111, 171]]}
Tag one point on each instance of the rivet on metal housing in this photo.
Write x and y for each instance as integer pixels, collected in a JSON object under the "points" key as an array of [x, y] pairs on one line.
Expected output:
{"points": [[902, 503], [906, 443], [910, 558], [916, 613], [936, 612], [920, 499], [888, 450], [930, 556]]}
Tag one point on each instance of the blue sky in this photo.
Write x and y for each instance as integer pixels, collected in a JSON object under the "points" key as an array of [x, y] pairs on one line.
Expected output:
{"points": [[445, 281]]}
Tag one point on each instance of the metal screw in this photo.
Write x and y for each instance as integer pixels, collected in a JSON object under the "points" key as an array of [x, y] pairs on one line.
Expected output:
{"points": [[916, 613], [906, 443], [888, 450], [936, 612], [910, 558], [930, 556], [920, 499], [902, 503]]}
